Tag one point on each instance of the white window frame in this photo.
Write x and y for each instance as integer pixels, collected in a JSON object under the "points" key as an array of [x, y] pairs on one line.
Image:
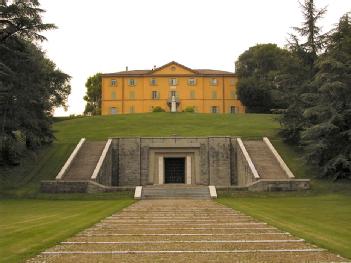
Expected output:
{"points": [[113, 82], [192, 81], [153, 82], [214, 109], [132, 82], [155, 95], [173, 82], [214, 82]]}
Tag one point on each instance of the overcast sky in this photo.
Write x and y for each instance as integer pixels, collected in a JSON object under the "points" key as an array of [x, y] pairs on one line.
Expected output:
{"points": [[108, 35]]}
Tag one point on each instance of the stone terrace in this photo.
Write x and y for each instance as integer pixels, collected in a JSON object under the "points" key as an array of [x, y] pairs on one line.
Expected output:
{"points": [[183, 231]]}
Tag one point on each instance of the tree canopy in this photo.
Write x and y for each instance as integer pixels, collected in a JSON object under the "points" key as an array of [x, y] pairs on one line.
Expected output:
{"points": [[93, 95], [30, 84], [258, 69]]}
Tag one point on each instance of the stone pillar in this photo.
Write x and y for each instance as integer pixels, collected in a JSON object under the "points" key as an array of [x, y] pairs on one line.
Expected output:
{"points": [[188, 169], [160, 170]]}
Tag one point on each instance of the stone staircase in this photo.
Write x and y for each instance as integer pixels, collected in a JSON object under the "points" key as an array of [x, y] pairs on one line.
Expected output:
{"points": [[85, 162], [180, 191], [265, 162]]}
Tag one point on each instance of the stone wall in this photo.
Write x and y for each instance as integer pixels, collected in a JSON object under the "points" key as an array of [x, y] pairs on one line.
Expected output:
{"points": [[129, 162], [104, 176], [212, 158]]}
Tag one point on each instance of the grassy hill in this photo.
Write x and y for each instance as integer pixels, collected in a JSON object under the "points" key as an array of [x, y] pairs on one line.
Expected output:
{"points": [[166, 124], [321, 216], [24, 180]]}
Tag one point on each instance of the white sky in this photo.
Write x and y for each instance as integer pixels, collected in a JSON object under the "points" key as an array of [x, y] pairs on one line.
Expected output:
{"points": [[108, 35]]}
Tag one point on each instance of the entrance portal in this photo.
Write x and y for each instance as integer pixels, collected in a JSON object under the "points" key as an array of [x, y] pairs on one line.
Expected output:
{"points": [[174, 170]]}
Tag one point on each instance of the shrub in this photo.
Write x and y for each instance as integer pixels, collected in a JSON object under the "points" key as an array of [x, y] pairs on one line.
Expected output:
{"points": [[189, 109], [158, 109]]}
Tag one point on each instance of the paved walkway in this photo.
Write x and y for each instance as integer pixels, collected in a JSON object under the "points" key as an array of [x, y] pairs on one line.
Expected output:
{"points": [[183, 231]]}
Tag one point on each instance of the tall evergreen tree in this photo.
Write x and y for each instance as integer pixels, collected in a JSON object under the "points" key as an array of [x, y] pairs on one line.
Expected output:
{"points": [[306, 53], [327, 138], [30, 84]]}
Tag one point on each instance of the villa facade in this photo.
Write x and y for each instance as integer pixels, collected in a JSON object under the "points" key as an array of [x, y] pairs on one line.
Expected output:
{"points": [[139, 91]]}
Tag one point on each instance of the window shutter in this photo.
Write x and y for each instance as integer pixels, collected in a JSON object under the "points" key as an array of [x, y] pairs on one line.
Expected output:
{"points": [[158, 95]]}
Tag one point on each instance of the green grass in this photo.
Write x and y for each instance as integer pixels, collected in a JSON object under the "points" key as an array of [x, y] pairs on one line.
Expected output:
{"points": [[321, 219], [166, 124], [29, 226]]}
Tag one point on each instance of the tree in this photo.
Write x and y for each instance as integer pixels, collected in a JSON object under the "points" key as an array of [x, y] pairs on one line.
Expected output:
{"points": [[22, 19], [93, 95], [258, 69], [327, 138], [306, 53], [30, 84]]}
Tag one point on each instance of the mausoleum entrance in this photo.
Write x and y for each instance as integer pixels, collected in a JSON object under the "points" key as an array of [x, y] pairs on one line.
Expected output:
{"points": [[174, 170]]}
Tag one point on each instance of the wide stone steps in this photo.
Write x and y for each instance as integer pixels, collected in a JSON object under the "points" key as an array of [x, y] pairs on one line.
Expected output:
{"points": [[85, 162], [264, 161], [137, 234], [175, 192]]}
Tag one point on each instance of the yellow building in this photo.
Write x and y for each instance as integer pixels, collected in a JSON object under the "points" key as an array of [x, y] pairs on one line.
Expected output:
{"points": [[137, 91]]}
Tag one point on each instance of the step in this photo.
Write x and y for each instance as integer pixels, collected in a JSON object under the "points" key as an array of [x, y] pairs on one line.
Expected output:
{"points": [[175, 192], [85, 162], [264, 160]]}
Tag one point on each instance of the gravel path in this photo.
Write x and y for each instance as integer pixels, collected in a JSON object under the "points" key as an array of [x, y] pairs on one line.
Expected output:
{"points": [[183, 231]]}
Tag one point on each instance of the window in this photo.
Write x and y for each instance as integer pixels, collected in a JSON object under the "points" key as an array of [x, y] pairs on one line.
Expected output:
{"points": [[132, 95], [213, 82], [232, 109], [191, 82], [192, 94], [113, 82], [153, 82], [233, 95], [173, 93], [214, 109], [131, 109], [173, 82], [214, 94], [155, 95], [131, 82], [113, 110], [113, 95]]}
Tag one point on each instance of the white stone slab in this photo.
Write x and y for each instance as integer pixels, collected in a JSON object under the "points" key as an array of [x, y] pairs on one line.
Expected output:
{"points": [[213, 192], [138, 191]]}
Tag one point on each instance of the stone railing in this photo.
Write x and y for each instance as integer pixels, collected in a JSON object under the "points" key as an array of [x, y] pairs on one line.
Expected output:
{"points": [[103, 171], [70, 160], [247, 173]]}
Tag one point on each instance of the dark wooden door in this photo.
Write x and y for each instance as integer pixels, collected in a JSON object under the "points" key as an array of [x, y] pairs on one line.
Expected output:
{"points": [[174, 170]]}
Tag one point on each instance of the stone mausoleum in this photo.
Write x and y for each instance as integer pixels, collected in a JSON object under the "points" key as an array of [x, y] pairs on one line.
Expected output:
{"points": [[227, 163]]}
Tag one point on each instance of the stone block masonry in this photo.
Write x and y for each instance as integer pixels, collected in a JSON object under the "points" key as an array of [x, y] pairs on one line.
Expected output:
{"points": [[221, 161]]}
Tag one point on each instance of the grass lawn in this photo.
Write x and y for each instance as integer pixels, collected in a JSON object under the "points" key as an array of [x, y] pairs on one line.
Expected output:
{"points": [[321, 219], [166, 124], [28, 226]]}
